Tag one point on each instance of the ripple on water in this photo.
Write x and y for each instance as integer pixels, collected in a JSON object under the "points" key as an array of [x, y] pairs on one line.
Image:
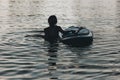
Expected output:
{"points": [[30, 58]]}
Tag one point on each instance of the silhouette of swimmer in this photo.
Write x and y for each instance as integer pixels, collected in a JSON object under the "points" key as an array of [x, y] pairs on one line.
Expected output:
{"points": [[52, 32]]}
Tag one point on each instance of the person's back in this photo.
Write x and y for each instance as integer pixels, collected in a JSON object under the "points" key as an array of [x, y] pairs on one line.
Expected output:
{"points": [[52, 32]]}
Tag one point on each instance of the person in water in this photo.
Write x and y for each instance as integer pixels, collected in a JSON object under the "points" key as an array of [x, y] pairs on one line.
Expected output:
{"points": [[52, 32]]}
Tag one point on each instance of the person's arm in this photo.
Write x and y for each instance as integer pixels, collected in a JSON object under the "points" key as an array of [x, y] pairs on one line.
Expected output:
{"points": [[61, 30]]}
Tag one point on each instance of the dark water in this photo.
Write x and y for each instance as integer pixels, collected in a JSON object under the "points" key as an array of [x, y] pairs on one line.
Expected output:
{"points": [[30, 58]]}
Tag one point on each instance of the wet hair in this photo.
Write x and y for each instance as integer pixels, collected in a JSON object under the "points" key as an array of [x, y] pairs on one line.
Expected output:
{"points": [[52, 20]]}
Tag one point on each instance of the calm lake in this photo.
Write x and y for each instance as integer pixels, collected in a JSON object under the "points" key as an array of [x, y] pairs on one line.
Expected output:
{"points": [[29, 58]]}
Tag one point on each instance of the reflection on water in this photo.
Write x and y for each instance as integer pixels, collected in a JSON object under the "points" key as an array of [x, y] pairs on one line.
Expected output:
{"points": [[31, 58], [52, 60]]}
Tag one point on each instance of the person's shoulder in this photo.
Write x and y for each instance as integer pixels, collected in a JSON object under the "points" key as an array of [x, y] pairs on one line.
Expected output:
{"points": [[58, 27], [46, 28]]}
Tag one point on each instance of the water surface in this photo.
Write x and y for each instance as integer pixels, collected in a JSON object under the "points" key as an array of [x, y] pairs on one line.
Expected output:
{"points": [[31, 58]]}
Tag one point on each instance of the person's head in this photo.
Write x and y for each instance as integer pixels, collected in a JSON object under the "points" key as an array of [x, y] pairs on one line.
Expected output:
{"points": [[52, 20]]}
